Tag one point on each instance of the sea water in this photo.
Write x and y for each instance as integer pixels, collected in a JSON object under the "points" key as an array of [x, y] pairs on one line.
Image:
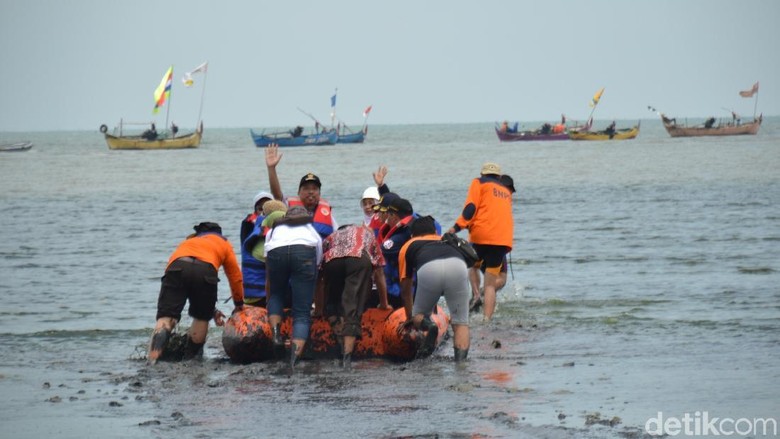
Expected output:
{"points": [[643, 286]]}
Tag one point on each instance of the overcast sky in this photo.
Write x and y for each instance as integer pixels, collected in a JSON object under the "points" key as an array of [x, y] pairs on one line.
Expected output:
{"points": [[76, 64]]}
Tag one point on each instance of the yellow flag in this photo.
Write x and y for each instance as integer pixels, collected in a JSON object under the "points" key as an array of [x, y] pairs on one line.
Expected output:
{"points": [[596, 97]]}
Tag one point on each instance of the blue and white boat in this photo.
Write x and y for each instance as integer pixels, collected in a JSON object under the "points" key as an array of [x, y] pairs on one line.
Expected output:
{"points": [[294, 138]]}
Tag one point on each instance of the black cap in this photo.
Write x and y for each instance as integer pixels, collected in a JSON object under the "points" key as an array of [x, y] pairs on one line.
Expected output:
{"points": [[208, 227], [508, 182], [401, 206], [385, 201], [310, 178]]}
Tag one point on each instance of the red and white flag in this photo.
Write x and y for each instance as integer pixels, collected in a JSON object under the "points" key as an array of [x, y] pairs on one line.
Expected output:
{"points": [[751, 92], [367, 110]]}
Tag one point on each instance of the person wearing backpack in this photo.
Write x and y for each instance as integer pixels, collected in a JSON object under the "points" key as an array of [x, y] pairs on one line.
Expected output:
{"points": [[487, 214]]}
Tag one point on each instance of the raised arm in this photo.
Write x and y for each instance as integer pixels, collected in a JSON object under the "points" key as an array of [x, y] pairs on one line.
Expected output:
{"points": [[379, 176], [272, 158]]}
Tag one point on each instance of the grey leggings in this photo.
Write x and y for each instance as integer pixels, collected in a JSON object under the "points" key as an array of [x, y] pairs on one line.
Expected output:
{"points": [[450, 278]]}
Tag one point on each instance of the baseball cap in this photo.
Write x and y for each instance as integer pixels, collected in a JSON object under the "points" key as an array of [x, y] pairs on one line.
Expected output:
{"points": [[402, 206], [385, 200], [310, 178]]}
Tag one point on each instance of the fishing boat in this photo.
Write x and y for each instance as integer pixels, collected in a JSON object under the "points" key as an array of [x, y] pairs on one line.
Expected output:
{"points": [[358, 137], [558, 131], [169, 138], [354, 137], [294, 137], [247, 336], [713, 127], [613, 134], [730, 127], [16, 147], [349, 136], [545, 132]]}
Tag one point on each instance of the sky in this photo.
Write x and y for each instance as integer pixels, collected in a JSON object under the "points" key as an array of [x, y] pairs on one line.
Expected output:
{"points": [[77, 64]]}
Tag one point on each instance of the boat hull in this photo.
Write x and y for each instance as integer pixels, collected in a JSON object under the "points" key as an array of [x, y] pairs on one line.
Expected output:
{"points": [[247, 336], [529, 136], [622, 134], [674, 130], [16, 147], [352, 138], [137, 142], [285, 139]]}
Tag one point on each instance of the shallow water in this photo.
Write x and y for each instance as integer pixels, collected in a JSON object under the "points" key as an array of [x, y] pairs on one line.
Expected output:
{"points": [[644, 280]]}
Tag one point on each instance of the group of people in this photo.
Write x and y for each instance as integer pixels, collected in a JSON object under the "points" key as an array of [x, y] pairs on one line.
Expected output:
{"points": [[295, 256]]}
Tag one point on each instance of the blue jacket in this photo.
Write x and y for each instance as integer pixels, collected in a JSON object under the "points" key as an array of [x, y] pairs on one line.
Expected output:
{"points": [[253, 270]]}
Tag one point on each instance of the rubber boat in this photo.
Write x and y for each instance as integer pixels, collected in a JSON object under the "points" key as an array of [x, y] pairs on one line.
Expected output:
{"points": [[247, 336]]}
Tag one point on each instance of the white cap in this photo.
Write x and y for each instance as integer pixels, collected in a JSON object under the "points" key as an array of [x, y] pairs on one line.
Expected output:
{"points": [[371, 192], [260, 195]]}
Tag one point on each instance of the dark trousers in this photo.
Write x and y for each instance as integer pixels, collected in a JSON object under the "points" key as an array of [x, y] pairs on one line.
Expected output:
{"points": [[348, 284], [188, 279]]}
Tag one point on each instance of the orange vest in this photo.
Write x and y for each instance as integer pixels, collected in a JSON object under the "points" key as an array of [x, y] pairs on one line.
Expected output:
{"points": [[323, 220]]}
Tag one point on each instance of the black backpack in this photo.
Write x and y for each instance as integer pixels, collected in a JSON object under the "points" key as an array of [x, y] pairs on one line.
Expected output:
{"points": [[463, 246]]}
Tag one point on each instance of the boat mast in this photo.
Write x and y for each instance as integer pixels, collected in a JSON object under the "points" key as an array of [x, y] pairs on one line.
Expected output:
{"points": [[755, 105], [333, 108], [202, 93], [170, 99], [595, 102]]}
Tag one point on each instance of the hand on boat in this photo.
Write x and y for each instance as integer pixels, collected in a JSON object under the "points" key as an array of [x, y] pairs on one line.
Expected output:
{"points": [[219, 318], [405, 325]]}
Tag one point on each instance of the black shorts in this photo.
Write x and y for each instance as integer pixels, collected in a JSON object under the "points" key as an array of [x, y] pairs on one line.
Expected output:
{"points": [[188, 279], [491, 255]]}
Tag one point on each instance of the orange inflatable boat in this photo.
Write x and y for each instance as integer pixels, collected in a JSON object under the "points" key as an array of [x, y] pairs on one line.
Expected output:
{"points": [[247, 336]]}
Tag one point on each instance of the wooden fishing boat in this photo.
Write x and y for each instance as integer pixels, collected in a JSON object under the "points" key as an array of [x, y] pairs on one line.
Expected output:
{"points": [[16, 147], [546, 132], [619, 134], [730, 127], [150, 139], [247, 336], [191, 140], [294, 138]]}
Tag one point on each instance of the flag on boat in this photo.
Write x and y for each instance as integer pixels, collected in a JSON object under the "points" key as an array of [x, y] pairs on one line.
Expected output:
{"points": [[367, 110], [163, 90], [333, 100], [596, 97], [749, 93], [187, 79], [201, 68]]}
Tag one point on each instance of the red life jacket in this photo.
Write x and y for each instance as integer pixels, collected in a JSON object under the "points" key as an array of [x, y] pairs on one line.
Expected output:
{"points": [[323, 220]]}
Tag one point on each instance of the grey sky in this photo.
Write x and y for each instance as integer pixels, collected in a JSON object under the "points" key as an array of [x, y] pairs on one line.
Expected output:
{"points": [[73, 65]]}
